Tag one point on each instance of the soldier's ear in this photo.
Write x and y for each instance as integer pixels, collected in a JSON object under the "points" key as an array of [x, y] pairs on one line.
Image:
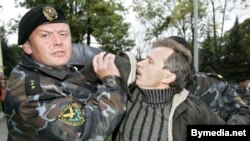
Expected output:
{"points": [[168, 77], [27, 48]]}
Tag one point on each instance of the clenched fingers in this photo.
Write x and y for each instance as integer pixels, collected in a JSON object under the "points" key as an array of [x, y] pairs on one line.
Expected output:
{"points": [[104, 65]]}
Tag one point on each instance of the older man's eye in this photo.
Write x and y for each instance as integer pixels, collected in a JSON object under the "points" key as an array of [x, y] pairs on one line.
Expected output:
{"points": [[150, 61]]}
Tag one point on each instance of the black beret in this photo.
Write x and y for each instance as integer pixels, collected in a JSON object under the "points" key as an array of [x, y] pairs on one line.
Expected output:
{"points": [[43, 13], [180, 40]]}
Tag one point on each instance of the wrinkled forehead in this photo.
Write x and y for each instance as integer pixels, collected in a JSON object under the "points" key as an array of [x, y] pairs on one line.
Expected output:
{"points": [[160, 53]]}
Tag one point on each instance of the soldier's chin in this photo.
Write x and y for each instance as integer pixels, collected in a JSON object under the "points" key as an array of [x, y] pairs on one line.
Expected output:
{"points": [[59, 65], [61, 61]]}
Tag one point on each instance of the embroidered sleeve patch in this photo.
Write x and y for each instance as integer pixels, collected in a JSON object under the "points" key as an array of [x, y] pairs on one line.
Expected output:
{"points": [[72, 115]]}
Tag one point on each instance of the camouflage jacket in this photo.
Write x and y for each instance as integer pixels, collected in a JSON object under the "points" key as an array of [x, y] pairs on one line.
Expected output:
{"points": [[218, 94], [45, 104]]}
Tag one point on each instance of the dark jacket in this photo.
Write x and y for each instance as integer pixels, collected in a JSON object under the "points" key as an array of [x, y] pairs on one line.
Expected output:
{"points": [[190, 110], [186, 110], [45, 104]]}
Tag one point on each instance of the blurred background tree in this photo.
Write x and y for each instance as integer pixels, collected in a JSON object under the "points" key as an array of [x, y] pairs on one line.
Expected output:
{"points": [[226, 53]]}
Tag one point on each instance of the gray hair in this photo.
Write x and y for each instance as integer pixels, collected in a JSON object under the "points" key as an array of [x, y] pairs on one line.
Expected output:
{"points": [[178, 62]]}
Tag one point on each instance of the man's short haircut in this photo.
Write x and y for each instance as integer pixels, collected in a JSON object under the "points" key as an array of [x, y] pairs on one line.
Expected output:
{"points": [[178, 62]]}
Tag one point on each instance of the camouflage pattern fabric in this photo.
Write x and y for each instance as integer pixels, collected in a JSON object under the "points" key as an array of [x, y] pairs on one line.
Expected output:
{"points": [[44, 104], [219, 95], [210, 88]]}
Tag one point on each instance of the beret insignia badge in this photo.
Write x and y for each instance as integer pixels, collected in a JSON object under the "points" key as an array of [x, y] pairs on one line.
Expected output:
{"points": [[50, 12], [72, 115]]}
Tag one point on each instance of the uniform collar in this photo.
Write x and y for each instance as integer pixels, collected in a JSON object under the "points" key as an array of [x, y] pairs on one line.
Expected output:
{"points": [[34, 66]]}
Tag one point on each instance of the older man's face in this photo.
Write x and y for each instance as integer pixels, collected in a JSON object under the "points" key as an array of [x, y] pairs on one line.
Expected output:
{"points": [[150, 72]]}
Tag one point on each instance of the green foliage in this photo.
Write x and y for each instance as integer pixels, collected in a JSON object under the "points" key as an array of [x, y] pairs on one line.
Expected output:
{"points": [[245, 32], [208, 62], [160, 16], [183, 10], [11, 57], [154, 15], [235, 55], [111, 32], [100, 19]]}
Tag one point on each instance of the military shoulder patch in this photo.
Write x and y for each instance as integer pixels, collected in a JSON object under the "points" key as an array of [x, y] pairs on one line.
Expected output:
{"points": [[32, 85], [72, 115]]}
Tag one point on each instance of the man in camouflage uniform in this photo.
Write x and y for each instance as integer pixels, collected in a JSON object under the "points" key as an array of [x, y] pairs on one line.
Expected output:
{"points": [[221, 96], [46, 99]]}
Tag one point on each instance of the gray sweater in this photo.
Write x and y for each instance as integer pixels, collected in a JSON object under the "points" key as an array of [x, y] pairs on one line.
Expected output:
{"points": [[147, 116], [150, 117]]}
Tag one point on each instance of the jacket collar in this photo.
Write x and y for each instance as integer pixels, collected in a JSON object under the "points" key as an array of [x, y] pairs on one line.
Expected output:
{"points": [[177, 100], [34, 66]]}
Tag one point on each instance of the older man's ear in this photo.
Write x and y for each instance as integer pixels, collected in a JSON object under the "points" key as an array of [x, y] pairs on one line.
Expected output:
{"points": [[168, 77]]}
